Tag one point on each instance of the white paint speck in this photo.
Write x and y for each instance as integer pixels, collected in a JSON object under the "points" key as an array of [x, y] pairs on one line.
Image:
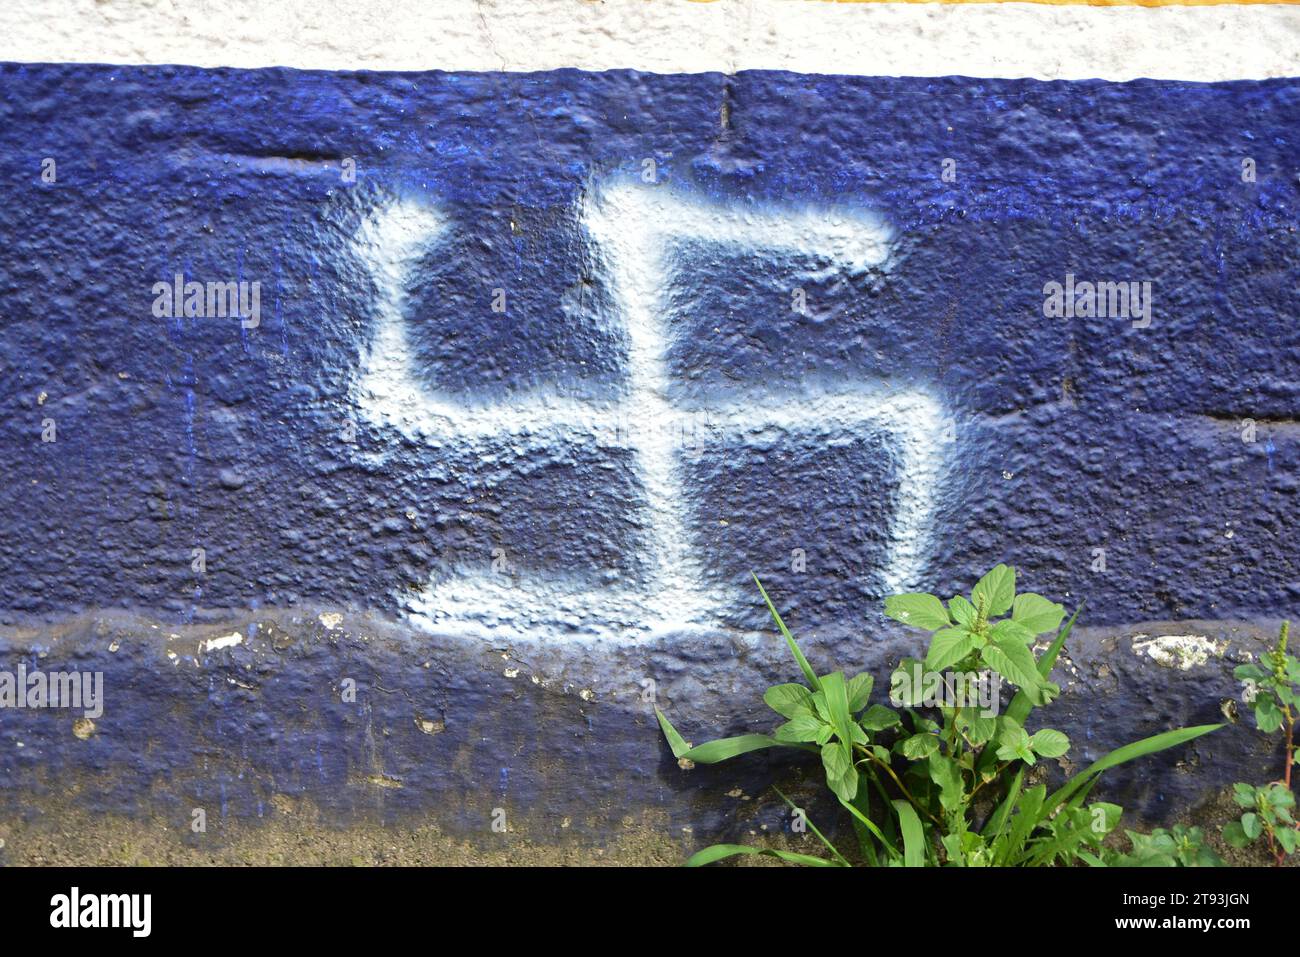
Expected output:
{"points": [[225, 641]]}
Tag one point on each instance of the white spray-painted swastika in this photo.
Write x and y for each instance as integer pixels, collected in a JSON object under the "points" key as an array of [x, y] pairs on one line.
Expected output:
{"points": [[633, 229]]}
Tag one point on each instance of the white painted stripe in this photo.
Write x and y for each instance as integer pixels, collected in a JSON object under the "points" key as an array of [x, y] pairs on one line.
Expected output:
{"points": [[669, 36]]}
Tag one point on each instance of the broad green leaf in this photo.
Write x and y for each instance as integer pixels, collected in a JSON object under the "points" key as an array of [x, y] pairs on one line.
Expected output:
{"points": [[1009, 729], [718, 852], [1008, 630], [946, 774], [860, 691], [1102, 824], [1248, 673], [789, 639], [789, 700], [845, 783], [1013, 744], [920, 746], [1129, 752], [1251, 825], [834, 761], [905, 689], [805, 727], [1049, 743], [998, 588], [1268, 717], [1037, 613], [841, 776], [962, 611], [819, 705], [837, 708], [978, 728], [947, 647], [921, 723], [1022, 704], [878, 718], [952, 847], [918, 610], [1235, 834], [913, 834], [1015, 662], [963, 846], [1288, 838]]}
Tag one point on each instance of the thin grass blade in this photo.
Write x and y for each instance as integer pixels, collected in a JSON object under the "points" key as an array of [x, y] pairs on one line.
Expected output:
{"points": [[718, 852], [789, 640], [813, 827], [913, 835], [1138, 749], [870, 826]]}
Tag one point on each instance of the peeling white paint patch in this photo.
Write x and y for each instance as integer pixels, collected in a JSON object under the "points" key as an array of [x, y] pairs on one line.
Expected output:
{"points": [[225, 641], [428, 726], [1183, 652]]}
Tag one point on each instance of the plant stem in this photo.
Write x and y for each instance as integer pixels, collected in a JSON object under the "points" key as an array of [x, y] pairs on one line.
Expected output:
{"points": [[1288, 718], [997, 772], [1290, 744], [902, 787], [1279, 855]]}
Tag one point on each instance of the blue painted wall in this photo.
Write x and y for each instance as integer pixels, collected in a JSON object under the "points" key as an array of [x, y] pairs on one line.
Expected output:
{"points": [[1114, 437], [1071, 434]]}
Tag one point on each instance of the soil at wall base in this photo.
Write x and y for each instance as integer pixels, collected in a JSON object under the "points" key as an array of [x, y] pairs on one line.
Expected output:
{"points": [[71, 836]]}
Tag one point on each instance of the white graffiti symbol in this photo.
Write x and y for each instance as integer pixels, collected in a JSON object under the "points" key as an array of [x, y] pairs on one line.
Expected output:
{"points": [[634, 229]]}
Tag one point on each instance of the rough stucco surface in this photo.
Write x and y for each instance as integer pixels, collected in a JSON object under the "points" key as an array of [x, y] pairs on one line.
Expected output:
{"points": [[444, 734], [667, 36], [1061, 436]]}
